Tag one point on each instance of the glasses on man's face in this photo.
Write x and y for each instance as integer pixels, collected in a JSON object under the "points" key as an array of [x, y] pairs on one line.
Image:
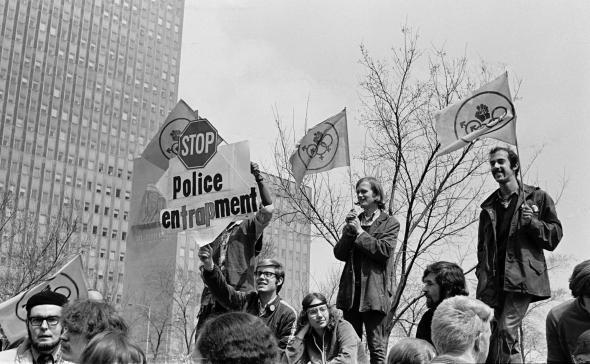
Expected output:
{"points": [[265, 274], [38, 321]]}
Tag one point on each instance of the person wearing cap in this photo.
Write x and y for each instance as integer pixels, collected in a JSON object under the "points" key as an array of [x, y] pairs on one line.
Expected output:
{"points": [[265, 302], [235, 250], [44, 329], [567, 321]]}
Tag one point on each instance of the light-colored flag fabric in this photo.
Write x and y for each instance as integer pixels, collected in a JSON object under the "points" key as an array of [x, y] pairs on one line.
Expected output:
{"points": [[487, 113], [324, 147], [70, 281]]}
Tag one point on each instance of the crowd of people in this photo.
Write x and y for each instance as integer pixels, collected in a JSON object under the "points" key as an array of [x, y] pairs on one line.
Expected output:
{"points": [[243, 319]]}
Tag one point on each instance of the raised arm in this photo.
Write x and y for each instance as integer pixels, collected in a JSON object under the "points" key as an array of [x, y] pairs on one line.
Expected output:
{"points": [[215, 281]]}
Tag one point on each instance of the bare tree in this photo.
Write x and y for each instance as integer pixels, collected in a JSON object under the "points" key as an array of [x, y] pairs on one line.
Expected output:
{"points": [[435, 198], [32, 248]]}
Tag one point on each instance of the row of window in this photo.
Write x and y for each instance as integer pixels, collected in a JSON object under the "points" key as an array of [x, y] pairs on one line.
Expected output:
{"points": [[105, 232]]}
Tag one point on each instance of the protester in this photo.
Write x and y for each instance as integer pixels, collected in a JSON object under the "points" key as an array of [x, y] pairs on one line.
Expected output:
{"points": [[264, 302], [441, 280], [236, 338], [461, 330], [411, 351], [112, 347], [84, 319], [323, 335], [568, 320], [367, 245], [581, 354], [515, 225], [42, 345], [236, 248]]}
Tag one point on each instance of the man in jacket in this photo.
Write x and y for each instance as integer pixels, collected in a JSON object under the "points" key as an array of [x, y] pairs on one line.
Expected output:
{"points": [[515, 225], [264, 302]]}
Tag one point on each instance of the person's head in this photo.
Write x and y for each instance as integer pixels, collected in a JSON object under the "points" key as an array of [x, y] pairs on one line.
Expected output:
{"points": [[236, 337], [370, 193], [112, 347], [84, 319], [581, 354], [504, 164], [461, 325], [316, 312], [443, 280], [44, 311], [269, 275], [411, 351], [580, 281]]}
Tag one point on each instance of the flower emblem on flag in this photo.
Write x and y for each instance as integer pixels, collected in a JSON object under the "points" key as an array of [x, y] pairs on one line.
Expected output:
{"points": [[319, 152], [489, 110]]}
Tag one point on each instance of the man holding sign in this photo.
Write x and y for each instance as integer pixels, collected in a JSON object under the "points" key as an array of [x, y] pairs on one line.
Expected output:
{"points": [[515, 225], [234, 251]]}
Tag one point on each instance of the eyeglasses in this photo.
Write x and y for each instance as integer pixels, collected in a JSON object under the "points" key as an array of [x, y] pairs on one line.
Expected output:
{"points": [[265, 274], [38, 321], [314, 311]]}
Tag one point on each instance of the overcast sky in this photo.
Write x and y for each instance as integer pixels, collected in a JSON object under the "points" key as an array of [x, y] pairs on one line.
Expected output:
{"points": [[240, 59]]}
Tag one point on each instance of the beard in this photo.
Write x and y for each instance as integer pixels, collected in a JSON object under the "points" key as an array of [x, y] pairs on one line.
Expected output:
{"points": [[43, 347]]}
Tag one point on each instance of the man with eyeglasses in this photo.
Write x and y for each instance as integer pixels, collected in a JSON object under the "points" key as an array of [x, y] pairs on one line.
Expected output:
{"points": [[44, 329], [265, 302]]}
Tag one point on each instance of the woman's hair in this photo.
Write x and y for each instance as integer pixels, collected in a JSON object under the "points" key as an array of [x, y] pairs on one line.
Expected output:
{"points": [[411, 351], [90, 317], [302, 320], [112, 347], [376, 188], [237, 338]]}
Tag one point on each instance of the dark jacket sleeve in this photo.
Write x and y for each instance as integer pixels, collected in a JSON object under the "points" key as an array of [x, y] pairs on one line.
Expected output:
{"points": [[286, 329], [545, 228], [344, 245], [295, 351], [223, 292], [381, 246], [349, 344], [554, 352]]}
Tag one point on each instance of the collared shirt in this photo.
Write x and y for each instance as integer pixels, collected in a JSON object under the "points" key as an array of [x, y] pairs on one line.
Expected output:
{"points": [[369, 220]]}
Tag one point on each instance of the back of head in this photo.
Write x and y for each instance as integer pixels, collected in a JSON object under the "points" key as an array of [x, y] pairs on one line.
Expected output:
{"points": [[90, 318], [457, 323], [411, 351], [112, 347], [580, 280], [237, 338], [449, 277]]}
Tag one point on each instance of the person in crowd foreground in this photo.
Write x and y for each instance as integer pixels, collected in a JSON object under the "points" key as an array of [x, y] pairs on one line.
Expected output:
{"points": [[236, 338], [581, 354], [366, 246], [411, 351], [44, 328], [565, 322], [112, 347], [84, 319], [441, 280], [515, 225], [461, 331], [235, 251], [265, 302], [324, 336]]}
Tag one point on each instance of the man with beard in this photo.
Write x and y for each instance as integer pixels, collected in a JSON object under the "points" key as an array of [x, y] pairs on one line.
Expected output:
{"points": [[441, 280], [264, 302], [42, 346], [516, 224]]}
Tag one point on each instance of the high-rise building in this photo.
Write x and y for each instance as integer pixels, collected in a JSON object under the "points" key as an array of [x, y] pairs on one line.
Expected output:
{"points": [[84, 85]]}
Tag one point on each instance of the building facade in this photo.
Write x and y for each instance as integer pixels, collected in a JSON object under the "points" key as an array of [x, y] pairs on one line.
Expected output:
{"points": [[84, 85]]}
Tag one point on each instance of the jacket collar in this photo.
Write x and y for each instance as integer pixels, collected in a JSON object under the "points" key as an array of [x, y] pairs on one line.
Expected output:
{"points": [[528, 190]]}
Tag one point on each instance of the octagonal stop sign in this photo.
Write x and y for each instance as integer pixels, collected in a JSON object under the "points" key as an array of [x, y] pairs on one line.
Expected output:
{"points": [[197, 144]]}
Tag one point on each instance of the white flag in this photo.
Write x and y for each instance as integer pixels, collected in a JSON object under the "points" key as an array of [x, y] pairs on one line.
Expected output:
{"points": [[324, 147], [487, 113]]}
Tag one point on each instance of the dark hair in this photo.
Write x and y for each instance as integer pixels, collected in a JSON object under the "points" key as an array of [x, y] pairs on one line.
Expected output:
{"points": [[307, 300], [512, 157], [411, 350], [449, 277], [238, 338], [112, 347], [279, 270], [580, 279], [90, 318], [376, 188]]}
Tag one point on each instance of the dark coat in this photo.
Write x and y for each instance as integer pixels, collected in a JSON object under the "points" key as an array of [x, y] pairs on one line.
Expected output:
{"points": [[376, 249], [525, 268]]}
